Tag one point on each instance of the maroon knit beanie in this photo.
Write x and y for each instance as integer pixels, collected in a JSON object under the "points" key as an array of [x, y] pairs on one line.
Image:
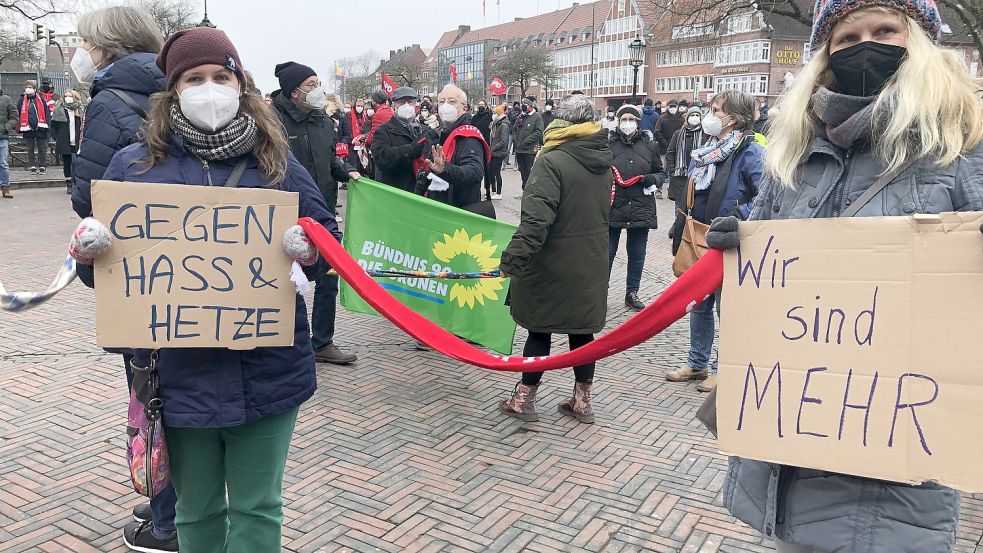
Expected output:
{"points": [[197, 46]]}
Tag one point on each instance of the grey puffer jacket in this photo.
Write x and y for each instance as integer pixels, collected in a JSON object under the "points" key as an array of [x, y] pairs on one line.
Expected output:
{"points": [[834, 512]]}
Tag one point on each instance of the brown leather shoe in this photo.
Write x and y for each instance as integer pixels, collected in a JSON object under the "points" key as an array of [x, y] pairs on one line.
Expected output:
{"points": [[331, 354], [522, 405], [579, 406], [6, 193], [707, 385], [685, 374]]}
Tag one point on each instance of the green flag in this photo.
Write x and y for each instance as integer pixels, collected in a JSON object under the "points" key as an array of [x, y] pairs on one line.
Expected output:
{"points": [[387, 228]]}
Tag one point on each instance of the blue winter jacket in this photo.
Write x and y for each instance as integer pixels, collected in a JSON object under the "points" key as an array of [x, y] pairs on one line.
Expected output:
{"points": [[110, 125], [649, 118], [211, 387], [735, 185]]}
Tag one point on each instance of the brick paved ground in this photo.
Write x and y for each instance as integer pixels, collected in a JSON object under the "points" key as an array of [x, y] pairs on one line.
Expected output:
{"points": [[404, 451]]}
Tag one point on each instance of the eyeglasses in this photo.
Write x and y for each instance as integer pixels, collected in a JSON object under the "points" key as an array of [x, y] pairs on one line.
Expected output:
{"points": [[308, 88]]}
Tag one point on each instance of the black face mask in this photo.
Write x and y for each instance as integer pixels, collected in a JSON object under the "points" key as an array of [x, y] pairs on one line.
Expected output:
{"points": [[864, 69]]}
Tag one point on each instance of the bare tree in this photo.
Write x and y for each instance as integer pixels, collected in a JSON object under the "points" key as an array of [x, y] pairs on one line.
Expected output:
{"points": [[970, 15], [404, 72], [171, 15], [19, 47], [36, 9], [523, 65], [359, 78]]}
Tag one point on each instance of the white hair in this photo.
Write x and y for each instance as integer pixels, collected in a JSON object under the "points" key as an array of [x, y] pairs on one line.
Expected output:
{"points": [[121, 31], [453, 89], [577, 108]]}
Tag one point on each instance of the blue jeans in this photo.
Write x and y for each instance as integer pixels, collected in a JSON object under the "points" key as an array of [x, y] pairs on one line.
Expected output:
{"points": [[4, 165], [637, 241], [162, 505], [701, 330], [323, 313]]}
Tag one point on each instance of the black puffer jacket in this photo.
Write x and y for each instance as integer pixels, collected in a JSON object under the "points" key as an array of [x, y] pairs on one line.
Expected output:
{"points": [[463, 173], [634, 156], [312, 138], [395, 146]]}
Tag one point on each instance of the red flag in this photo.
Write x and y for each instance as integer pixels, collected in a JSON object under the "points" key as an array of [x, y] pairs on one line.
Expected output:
{"points": [[388, 84], [497, 87], [453, 69]]}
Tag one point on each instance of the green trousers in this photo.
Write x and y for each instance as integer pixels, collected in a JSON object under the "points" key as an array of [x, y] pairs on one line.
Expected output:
{"points": [[246, 462]]}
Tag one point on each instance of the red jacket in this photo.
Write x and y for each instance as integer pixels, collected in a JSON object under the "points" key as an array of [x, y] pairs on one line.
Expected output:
{"points": [[382, 114]]}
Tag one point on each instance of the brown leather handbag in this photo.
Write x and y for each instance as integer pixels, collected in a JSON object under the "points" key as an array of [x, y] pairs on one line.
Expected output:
{"points": [[693, 241]]}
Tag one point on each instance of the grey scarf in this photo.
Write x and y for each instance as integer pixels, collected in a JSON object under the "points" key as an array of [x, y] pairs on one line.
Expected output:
{"points": [[847, 118], [238, 138]]}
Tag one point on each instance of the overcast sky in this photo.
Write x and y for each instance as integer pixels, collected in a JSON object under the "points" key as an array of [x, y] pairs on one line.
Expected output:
{"points": [[316, 33]]}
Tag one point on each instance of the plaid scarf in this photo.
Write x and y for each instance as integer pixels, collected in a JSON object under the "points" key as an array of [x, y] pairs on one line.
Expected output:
{"points": [[708, 157], [237, 139]]}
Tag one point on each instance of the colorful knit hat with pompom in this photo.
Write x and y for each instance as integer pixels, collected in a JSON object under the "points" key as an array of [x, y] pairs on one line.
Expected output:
{"points": [[828, 12]]}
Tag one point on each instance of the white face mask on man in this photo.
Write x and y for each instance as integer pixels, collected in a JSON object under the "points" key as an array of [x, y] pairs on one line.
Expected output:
{"points": [[447, 113], [209, 106], [316, 97], [406, 111], [628, 128]]}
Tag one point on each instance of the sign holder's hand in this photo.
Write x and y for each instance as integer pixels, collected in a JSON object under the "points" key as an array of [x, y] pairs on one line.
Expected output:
{"points": [[722, 234], [90, 241], [299, 247], [354, 175]]}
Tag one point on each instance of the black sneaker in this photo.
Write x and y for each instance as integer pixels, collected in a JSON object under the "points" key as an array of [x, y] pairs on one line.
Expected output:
{"points": [[139, 537], [331, 354], [632, 302], [142, 512], [42, 170], [33, 170]]}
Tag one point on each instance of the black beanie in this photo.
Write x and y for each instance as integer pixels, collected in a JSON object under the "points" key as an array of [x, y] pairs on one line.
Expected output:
{"points": [[292, 75], [628, 108], [648, 102]]}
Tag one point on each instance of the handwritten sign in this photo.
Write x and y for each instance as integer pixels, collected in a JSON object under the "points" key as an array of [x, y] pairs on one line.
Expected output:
{"points": [[854, 346], [194, 266]]}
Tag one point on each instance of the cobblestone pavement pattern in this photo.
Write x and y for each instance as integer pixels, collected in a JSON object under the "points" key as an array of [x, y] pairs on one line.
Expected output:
{"points": [[404, 451]]}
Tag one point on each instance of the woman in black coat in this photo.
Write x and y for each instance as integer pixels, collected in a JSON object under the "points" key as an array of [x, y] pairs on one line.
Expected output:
{"points": [[639, 171], [66, 124]]}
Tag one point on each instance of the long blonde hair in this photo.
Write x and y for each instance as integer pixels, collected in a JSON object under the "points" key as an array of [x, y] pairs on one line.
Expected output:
{"points": [[271, 145], [932, 93]]}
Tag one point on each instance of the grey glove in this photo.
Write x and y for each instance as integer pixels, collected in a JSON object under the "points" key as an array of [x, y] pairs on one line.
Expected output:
{"points": [[723, 233]]}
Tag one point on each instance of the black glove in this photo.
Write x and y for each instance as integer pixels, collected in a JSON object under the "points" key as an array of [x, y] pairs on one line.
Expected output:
{"points": [[981, 228], [723, 233]]}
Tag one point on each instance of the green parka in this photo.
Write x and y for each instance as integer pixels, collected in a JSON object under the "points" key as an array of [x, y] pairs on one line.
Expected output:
{"points": [[558, 256]]}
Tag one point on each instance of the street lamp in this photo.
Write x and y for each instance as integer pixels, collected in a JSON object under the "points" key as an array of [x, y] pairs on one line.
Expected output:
{"points": [[636, 57]]}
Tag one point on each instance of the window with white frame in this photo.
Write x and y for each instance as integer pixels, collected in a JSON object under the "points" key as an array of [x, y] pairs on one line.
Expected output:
{"points": [[687, 83], [806, 53], [621, 6], [756, 84], [755, 51], [740, 23], [686, 56], [622, 25], [613, 51], [571, 57], [690, 31]]}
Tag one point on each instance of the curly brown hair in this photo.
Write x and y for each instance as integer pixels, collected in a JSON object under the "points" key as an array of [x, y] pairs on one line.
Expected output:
{"points": [[271, 146]]}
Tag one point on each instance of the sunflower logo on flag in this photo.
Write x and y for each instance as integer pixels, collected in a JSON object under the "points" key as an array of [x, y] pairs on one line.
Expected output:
{"points": [[466, 253]]}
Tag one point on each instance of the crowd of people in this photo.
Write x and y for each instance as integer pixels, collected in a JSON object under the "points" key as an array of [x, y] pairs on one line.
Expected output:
{"points": [[186, 111]]}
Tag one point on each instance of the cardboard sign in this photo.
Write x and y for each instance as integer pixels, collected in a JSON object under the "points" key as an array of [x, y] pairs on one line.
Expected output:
{"points": [[194, 266], [854, 346]]}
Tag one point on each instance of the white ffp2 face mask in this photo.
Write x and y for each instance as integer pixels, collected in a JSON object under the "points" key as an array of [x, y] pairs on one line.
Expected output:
{"points": [[316, 97], [712, 125], [210, 106], [83, 66], [447, 113], [406, 111], [628, 128]]}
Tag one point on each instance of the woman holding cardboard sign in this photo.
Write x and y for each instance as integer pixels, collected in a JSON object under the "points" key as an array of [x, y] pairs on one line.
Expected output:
{"points": [[882, 122], [228, 414]]}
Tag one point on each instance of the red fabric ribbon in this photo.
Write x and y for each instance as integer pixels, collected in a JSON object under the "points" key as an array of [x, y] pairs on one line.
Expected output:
{"points": [[618, 181], [701, 280]]}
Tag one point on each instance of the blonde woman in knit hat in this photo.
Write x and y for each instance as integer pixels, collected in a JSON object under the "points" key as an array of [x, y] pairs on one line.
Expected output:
{"points": [[879, 97], [500, 130], [228, 414]]}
